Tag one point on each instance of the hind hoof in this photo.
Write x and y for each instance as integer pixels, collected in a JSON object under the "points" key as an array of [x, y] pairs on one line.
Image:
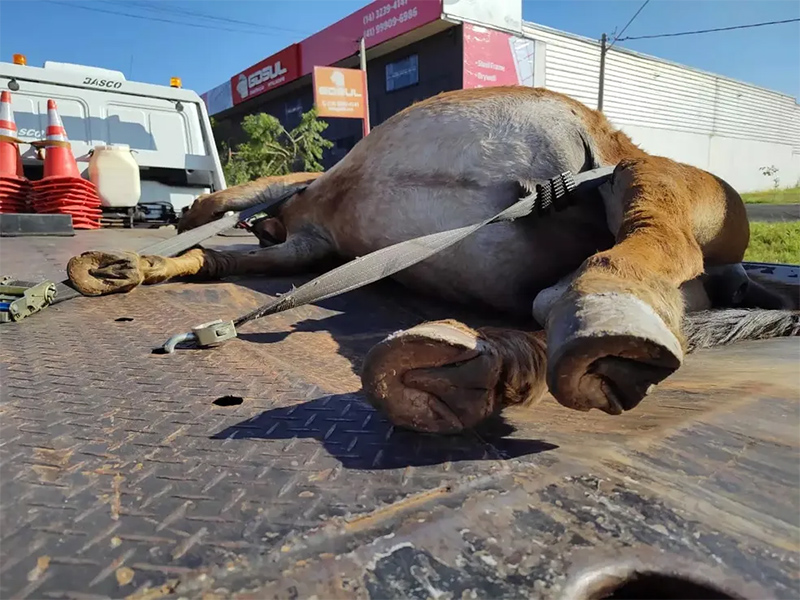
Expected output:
{"points": [[436, 377], [99, 273], [607, 351]]}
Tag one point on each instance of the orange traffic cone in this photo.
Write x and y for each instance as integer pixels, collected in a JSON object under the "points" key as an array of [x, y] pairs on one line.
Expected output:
{"points": [[14, 188], [62, 189], [58, 159], [10, 161]]}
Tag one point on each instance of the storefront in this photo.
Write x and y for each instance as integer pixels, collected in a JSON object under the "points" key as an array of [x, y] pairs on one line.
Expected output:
{"points": [[415, 50], [419, 48]]}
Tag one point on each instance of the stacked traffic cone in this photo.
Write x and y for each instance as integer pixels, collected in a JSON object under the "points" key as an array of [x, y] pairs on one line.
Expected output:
{"points": [[62, 189], [14, 188]]}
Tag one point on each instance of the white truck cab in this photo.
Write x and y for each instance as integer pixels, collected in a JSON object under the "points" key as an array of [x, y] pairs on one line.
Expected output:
{"points": [[167, 127]]}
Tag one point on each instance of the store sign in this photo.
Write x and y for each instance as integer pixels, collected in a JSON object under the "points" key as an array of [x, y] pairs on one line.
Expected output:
{"points": [[218, 98], [339, 92], [493, 58], [270, 73], [376, 23]]}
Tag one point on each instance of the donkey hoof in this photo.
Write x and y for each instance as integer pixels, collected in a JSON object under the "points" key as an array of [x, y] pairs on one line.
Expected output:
{"points": [[98, 273], [607, 351], [435, 378]]}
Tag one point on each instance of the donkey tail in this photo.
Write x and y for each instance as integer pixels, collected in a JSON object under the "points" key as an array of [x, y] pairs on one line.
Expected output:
{"points": [[709, 328]]}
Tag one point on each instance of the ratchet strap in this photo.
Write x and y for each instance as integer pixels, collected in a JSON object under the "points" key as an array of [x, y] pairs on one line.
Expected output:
{"points": [[188, 239], [557, 193]]}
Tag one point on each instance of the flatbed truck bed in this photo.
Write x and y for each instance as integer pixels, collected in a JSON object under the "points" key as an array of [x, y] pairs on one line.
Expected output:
{"points": [[256, 470]]}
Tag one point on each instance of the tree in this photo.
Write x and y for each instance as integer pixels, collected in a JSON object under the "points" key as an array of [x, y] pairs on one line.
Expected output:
{"points": [[272, 150]]}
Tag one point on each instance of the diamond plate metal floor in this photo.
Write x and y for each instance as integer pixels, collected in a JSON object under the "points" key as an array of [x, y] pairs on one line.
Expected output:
{"points": [[121, 476]]}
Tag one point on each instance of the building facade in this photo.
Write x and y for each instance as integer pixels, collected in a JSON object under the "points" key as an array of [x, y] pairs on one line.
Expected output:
{"points": [[419, 48]]}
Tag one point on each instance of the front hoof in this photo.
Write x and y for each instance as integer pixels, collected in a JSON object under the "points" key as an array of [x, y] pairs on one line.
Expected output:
{"points": [[607, 351], [99, 273], [204, 209], [435, 378]]}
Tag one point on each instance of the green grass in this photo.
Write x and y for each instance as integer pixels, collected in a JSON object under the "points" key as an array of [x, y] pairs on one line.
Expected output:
{"points": [[774, 242], [784, 196]]}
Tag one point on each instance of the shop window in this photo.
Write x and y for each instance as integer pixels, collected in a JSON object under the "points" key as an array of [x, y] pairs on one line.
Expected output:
{"points": [[294, 112], [402, 73], [345, 144]]}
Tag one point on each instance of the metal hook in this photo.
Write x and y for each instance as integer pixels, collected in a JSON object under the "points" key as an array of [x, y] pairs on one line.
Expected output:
{"points": [[169, 345], [205, 335]]}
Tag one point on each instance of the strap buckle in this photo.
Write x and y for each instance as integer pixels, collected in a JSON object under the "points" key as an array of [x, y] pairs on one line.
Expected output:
{"points": [[204, 336], [555, 193], [20, 299], [214, 332]]}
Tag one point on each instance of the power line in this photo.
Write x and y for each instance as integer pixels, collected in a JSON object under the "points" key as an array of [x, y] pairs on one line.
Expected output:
{"points": [[149, 18], [194, 13], [604, 50], [628, 24], [649, 37]]}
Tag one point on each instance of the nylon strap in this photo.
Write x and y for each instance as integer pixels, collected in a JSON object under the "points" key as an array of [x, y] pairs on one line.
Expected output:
{"points": [[188, 239], [35, 143], [38, 144], [10, 140], [387, 261]]}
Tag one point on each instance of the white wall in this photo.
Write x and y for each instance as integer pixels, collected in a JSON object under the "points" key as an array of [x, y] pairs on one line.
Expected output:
{"points": [[500, 14], [735, 160], [724, 126]]}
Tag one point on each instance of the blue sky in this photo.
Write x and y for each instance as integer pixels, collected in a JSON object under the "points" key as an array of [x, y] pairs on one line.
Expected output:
{"points": [[213, 40]]}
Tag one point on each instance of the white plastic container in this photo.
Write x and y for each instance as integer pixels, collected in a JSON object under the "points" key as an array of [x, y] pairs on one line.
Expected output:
{"points": [[114, 171]]}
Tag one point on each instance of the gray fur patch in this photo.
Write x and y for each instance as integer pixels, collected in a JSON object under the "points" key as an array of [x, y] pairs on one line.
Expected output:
{"points": [[709, 328]]}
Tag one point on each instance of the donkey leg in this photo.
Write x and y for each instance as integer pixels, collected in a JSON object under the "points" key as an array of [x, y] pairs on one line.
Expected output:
{"points": [[212, 206], [444, 377], [616, 332], [99, 273]]}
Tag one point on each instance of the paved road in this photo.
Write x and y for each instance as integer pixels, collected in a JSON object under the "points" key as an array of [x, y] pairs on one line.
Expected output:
{"points": [[756, 212], [773, 212]]}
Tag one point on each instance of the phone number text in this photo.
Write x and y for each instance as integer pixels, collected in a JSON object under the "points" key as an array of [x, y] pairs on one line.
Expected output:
{"points": [[383, 11], [391, 23]]}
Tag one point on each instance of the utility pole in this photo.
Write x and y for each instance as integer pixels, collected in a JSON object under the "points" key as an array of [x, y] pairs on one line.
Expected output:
{"points": [[362, 50], [601, 83]]}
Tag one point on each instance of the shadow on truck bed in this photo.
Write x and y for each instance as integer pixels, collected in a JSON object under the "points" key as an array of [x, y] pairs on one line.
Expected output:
{"points": [[381, 446]]}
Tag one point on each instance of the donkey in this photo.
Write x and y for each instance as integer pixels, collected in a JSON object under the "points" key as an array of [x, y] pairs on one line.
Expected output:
{"points": [[615, 282]]}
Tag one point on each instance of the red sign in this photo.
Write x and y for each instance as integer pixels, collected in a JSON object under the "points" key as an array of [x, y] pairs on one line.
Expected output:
{"points": [[494, 58], [380, 21], [270, 73]]}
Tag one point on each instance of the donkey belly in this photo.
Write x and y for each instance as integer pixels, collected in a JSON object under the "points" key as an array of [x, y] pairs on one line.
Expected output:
{"points": [[441, 167], [505, 265], [501, 266]]}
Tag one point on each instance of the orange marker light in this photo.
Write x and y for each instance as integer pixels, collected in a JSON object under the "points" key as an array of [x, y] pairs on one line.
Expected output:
{"points": [[19, 59], [175, 82]]}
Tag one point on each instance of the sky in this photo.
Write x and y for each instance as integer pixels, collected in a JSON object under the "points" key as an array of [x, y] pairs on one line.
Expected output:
{"points": [[206, 42]]}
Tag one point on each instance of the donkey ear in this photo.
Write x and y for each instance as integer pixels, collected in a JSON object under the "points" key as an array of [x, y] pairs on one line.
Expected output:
{"points": [[270, 230]]}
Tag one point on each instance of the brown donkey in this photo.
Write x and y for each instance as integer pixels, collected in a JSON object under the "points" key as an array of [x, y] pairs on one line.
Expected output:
{"points": [[609, 279]]}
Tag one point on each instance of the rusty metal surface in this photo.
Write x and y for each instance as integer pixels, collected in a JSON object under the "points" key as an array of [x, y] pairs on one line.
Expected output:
{"points": [[120, 476]]}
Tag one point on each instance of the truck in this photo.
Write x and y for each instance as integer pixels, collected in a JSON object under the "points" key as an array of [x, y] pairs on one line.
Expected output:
{"points": [[166, 126]]}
